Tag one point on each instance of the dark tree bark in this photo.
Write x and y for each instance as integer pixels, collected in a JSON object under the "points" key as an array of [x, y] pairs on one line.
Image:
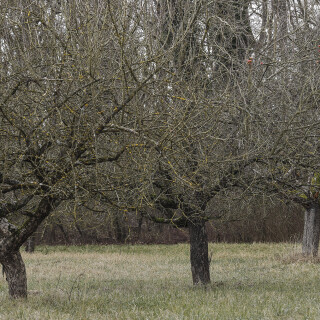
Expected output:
{"points": [[199, 258], [311, 232], [15, 272]]}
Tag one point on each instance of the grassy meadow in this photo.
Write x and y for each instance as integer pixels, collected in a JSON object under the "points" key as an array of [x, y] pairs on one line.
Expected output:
{"points": [[249, 281]]}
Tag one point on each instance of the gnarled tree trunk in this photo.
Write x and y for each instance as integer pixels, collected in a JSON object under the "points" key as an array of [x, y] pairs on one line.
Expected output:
{"points": [[311, 232], [15, 272], [200, 265], [12, 238]]}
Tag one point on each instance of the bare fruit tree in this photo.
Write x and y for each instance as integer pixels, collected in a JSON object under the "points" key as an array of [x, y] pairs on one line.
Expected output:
{"points": [[67, 90], [204, 153], [286, 88]]}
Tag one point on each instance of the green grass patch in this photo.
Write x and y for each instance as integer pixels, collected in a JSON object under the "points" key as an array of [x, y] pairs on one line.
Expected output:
{"points": [[249, 281]]}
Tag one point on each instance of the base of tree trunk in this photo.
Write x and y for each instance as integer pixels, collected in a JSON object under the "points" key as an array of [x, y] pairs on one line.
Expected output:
{"points": [[200, 265], [15, 272], [311, 231]]}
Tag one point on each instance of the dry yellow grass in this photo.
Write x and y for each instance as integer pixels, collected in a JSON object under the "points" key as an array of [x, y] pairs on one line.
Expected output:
{"points": [[154, 282]]}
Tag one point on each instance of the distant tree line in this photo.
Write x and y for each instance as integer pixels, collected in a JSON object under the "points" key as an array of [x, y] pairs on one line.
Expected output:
{"points": [[278, 223]]}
